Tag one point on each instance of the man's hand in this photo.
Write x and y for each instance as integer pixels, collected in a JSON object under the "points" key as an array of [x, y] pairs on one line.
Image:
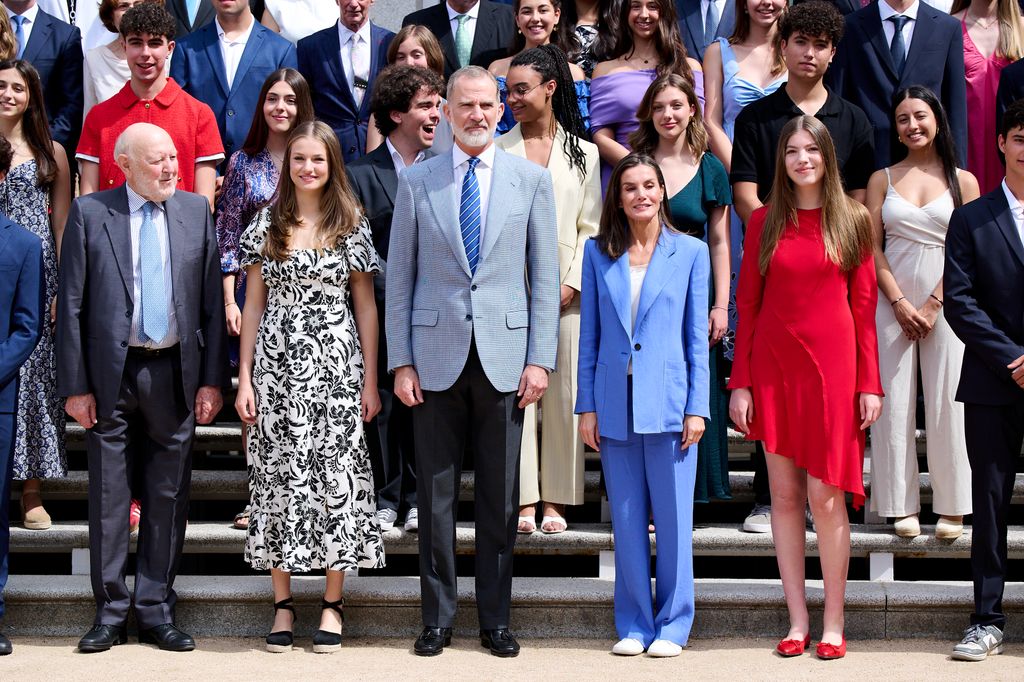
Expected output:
{"points": [[82, 409], [407, 386], [1017, 371], [532, 384], [567, 296], [208, 404]]}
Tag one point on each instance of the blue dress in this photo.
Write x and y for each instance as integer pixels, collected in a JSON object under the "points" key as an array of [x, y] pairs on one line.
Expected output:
{"points": [[508, 121]]}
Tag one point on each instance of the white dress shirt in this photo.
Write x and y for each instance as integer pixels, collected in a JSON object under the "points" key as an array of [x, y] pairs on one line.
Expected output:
{"points": [[135, 203], [1016, 210], [484, 170], [396, 157], [30, 20], [345, 35], [231, 50], [453, 19], [889, 29]]}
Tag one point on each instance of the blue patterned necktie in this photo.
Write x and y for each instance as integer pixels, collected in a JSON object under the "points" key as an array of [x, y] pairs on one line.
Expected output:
{"points": [[154, 289], [711, 19], [19, 33], [897, 48], [469, 214], [193, 10]]}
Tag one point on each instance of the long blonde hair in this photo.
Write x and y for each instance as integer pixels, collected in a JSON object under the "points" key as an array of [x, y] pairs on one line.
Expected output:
{"points": [[1011, 36], [845, 225]]}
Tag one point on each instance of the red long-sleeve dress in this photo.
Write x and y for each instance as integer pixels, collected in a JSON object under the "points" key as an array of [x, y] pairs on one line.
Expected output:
{"points": [[806, 346]]}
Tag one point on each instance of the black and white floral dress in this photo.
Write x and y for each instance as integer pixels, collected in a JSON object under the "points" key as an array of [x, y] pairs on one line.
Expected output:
{"points": [[310, 483]]}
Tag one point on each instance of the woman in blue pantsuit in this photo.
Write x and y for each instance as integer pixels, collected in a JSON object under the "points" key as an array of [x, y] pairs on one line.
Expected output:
{"points": [[643, 397]]}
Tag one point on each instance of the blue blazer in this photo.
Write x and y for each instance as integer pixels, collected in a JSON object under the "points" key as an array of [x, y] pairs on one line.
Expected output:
{"points": [[320, 63], [198, 67], [691, 26], [55, 50], [670, 368], [863, 72], [21, 300]]}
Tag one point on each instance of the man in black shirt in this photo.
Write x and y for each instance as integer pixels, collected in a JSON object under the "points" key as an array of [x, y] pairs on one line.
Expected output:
{"points": [[810, 32]]}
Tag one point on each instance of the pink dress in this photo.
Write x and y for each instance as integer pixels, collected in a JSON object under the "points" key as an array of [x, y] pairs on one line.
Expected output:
{"points": [[982, 82]]}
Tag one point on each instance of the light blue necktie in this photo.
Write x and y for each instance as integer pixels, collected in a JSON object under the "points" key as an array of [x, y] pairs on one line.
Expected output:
{"points": [[469, 214], [154, 289], [711, 19], [193, 10], [19, 33]]}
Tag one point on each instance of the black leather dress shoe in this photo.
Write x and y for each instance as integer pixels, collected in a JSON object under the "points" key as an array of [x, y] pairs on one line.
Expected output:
{"points": [[168, 638], [432, 641], [102, 637], [5, 646], [500, 642]]}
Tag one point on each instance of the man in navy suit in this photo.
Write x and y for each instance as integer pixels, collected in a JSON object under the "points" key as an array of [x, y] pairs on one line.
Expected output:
{"points": [[701, 22], [189, 15], [341, 63], [482, 28], [225, 63], [21, 323], [875, 61], [983, 281], [55, 50]]}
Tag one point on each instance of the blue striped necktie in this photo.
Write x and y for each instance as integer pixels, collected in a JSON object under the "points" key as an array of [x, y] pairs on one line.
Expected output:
{"points": [[19, 33], [469, 214], [154, 288]]}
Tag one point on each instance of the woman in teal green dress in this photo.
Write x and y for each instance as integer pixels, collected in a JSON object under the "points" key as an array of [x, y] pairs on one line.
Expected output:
{"points": [[672, 131]]}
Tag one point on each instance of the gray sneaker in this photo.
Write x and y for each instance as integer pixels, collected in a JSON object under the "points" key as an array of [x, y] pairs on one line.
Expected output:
{"points": [[386, 518], [759, 520], [412, 520], [978, 643]]}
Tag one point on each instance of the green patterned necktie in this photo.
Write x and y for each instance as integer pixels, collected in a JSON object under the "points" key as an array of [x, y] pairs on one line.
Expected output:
{"points": [[463, 41]]}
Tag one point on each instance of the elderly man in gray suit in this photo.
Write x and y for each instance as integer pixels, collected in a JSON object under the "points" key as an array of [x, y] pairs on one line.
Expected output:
{"points": [[472, 325], [141, 357]]}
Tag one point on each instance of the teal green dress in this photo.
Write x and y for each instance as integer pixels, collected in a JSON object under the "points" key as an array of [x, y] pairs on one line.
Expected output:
{"points": [[689, 209]]}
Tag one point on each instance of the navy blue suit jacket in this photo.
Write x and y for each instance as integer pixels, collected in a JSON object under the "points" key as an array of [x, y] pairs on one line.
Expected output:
{"points": [[21, 299], [320, 62], [691, 25], [55, 50], [198, 67], [863, 72], [982, 285]]}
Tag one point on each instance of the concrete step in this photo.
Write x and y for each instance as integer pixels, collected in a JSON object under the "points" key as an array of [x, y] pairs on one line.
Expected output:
{"points": [[541, 607]]}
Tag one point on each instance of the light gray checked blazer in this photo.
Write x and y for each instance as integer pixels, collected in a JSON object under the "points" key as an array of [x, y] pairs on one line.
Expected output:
{"points": [[435, 306]]}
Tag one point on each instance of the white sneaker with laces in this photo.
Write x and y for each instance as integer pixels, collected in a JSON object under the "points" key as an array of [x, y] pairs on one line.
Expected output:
{"points": [[979, 642], [412, 520], [759, 520], [386, 518]]}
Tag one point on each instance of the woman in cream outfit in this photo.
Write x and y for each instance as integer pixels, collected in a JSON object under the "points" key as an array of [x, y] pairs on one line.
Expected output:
{"points": [[296, 19], [543, 99]]}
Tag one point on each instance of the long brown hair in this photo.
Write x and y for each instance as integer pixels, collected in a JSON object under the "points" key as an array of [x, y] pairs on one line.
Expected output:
{"points": [[742, 31], [34, 124], [645, 138], [256, 140], [613, 234], [427, 40], [667, 40], [845, 225], [1011, 36], [8, 43], [340, 211], [562, 34]]}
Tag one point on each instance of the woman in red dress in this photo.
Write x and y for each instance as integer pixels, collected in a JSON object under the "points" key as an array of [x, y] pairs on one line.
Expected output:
{"points": [[805, 379]]}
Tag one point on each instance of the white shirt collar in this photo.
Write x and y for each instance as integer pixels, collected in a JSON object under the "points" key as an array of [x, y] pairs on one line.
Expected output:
{"points": [[473, 12], [244, 38], [30, 14], [135, 200], [396, 156], [885, 10], [460, 157], [345, 34]]}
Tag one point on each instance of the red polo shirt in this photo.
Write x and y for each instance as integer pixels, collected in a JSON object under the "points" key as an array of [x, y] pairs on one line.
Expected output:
{"points": [[189, 122]]}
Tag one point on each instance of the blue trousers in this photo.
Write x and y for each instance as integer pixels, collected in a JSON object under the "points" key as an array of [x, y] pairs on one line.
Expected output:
{"points": [[645, 473], [7, 428]]}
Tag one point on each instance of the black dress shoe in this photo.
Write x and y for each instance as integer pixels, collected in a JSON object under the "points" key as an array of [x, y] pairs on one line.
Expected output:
{"points": [[102, 637], [168, 638], [432, 641], [5, 646], [500, 642]]}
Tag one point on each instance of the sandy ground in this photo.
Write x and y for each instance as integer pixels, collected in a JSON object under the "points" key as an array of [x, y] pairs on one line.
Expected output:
{"points": [[223, 660]]}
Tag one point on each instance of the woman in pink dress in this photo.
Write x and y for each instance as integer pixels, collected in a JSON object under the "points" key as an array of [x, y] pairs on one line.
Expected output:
{"points": [[993, 38]]}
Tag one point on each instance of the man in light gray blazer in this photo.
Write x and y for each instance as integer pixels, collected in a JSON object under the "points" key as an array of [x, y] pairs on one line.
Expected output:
{"points": [[472, 326], [141, 357]]}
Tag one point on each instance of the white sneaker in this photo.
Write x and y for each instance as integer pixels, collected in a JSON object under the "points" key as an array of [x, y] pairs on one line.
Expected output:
{"points": [[979, 642], [662, 648], [759, 520], [386, 518], [412, 520], [628, 647]]}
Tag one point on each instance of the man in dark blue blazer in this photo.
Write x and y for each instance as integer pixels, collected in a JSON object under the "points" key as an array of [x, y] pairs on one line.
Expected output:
{"points": [[867, 71], [21, 323], [185, 23], [693, 15], [491, 26], [55, 50], [227, 72], [341, 62], [983, 283]]}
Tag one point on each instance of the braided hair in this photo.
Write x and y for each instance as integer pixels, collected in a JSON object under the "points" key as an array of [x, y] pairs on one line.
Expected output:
{"points": [[550, 62]]}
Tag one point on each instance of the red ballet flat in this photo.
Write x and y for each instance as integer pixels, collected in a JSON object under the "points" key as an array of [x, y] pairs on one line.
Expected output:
{"points": [[829, 652], [788, 648]]}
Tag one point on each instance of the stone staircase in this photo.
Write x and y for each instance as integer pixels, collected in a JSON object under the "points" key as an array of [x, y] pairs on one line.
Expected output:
{"points": [[53, 597]]}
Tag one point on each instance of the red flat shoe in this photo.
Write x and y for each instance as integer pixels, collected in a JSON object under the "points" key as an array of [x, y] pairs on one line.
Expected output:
{"points": [[788, 648], [829, 652]]}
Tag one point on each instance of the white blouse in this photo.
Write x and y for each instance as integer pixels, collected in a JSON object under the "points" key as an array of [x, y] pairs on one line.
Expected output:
{"points": [[301, 18]]}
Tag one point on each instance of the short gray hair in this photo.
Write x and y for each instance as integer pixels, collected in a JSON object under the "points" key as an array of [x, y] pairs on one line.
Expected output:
{"points": [[472, 72]]}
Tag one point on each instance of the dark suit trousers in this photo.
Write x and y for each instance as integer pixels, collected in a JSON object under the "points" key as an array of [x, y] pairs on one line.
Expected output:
{"points": [[994, 434], [148, 437], [472, 411], [8, 426]]}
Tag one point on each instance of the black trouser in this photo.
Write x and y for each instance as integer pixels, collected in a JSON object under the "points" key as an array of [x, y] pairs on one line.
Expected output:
{"points": [[762, 492], [994, 437], [471, 410]]}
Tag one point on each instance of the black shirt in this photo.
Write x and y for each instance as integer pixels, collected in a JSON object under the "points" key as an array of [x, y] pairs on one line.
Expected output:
{"points": [[759, 125]]}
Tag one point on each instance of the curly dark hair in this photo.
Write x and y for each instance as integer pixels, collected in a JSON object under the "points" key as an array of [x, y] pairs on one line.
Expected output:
{"points": [[814, 19], [148, 19], [6, 155], [394, 90], [1012, 118]]}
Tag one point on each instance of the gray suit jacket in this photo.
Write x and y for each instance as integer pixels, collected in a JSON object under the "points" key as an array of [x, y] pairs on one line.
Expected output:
{"points": [[435, 306], [95, 296]]}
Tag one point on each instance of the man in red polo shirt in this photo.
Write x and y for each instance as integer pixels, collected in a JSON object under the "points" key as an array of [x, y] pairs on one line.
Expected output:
{"points": [[147, 33]]}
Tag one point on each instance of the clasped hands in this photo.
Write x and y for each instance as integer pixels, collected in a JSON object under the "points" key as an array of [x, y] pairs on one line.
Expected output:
{"points": [[916, 323], [82, 408], [532, 385]]}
